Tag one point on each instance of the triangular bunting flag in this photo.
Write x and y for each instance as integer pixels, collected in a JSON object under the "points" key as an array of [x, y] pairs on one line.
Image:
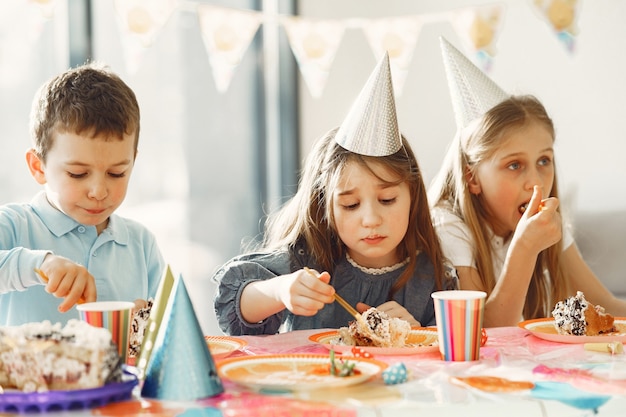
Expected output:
{"points": [[227, 33], [397, 37], [314, 44], [479, 28], [140, 22], [562, 17]]}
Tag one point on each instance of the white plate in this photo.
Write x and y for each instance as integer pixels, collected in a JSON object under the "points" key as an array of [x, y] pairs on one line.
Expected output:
{"points": [[419, 340], [294, 372], [544, 329], [223, 346]]}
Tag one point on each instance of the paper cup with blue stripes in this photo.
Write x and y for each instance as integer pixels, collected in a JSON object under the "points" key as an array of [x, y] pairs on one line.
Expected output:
{"points": [[459, 315], [116, 316]]}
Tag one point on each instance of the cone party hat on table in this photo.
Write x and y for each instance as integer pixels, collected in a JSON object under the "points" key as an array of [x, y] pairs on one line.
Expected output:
{"points": [[181, 367], [371, 126], [154, 320], [472, 92]]}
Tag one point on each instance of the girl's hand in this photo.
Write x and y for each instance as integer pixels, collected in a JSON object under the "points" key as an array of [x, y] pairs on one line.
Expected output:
{"points": [[68, 280], [540, 225], [393, 309], [305, 293]]}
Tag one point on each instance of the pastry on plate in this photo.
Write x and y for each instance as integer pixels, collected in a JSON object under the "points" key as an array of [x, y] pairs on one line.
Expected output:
{"points": [[577, 316], [42, 356]]}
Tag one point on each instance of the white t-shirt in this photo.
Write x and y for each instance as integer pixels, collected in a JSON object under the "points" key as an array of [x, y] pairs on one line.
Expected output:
{"points": [[458, 244]]}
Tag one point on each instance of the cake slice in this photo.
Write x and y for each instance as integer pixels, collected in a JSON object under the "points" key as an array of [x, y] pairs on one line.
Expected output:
{"points": [[42, 357], [376, 329], [577, 316], [138, 329]]}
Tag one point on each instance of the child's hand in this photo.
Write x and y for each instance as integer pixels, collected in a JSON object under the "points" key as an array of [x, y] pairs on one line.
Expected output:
{"points": [[304, 293], [393, 309], [540, 225], [68, 280]]}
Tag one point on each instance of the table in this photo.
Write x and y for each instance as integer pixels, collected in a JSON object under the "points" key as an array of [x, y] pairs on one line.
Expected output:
{"points": [[510, 352]]}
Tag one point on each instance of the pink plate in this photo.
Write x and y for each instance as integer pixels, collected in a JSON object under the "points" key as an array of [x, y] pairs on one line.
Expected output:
{"points": [[294, 372], [420, 340], [544, 329], [223, 346]]}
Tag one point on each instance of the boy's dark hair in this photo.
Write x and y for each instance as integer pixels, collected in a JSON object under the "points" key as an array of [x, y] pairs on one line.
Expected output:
{"points": [[89, 100]]}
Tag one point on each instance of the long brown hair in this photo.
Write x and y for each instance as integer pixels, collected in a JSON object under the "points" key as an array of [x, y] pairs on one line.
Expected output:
{"points": [[470, 147], [308, 214]]}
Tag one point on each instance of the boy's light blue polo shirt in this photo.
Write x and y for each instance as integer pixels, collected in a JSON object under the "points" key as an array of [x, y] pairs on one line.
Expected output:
{"points": [[124, 259]]}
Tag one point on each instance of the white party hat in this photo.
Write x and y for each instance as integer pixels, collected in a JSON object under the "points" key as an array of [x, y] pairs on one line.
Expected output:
{"points": [[371, 126], [472, 92], [181, 367]]}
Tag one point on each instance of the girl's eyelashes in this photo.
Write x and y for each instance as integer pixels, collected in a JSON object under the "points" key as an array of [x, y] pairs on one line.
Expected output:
{"points": [[385, 202]]}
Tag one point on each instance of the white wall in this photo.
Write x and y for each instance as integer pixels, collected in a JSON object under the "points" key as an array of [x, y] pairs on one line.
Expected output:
{"points": [[584, 92]]}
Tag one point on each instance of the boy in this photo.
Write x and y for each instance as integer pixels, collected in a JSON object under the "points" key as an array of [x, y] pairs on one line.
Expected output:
{"points": [[85, 128]]}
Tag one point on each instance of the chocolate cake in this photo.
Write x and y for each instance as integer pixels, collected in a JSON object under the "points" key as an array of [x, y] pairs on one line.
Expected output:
{"points": [[376, 329], [577, 316]]}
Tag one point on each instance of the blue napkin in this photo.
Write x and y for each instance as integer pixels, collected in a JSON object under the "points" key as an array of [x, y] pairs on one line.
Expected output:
{"points": [[567, 394]]}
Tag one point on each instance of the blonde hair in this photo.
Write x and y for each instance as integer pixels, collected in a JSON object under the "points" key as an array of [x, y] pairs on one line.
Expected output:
{"points": [[469, 148], [308, 214]]}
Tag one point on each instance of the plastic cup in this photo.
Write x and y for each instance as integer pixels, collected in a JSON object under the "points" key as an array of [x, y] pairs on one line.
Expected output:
{"points": [[115, 316], [459, 315]]}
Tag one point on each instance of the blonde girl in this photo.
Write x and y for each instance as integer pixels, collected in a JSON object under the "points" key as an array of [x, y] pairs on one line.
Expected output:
{"points": [[496, 210]]}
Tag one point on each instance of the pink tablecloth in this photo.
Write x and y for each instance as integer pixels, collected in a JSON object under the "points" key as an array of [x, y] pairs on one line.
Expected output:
{"points": [[510, 352]]}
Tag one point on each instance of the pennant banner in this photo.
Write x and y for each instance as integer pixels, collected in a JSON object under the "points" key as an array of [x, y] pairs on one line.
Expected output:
{"points": [[562, 17], [140, 22], [314, 44], [144, 18], [479, 28], [397, 37], [226, 34]]}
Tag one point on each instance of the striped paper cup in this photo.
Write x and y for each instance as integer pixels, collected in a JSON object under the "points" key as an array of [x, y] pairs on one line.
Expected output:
{"points": [[459, 315], [116, 316]]}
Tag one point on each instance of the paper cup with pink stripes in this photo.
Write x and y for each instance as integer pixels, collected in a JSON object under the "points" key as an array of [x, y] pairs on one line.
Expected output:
{"points": [[459, 315], [116, 316]]}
